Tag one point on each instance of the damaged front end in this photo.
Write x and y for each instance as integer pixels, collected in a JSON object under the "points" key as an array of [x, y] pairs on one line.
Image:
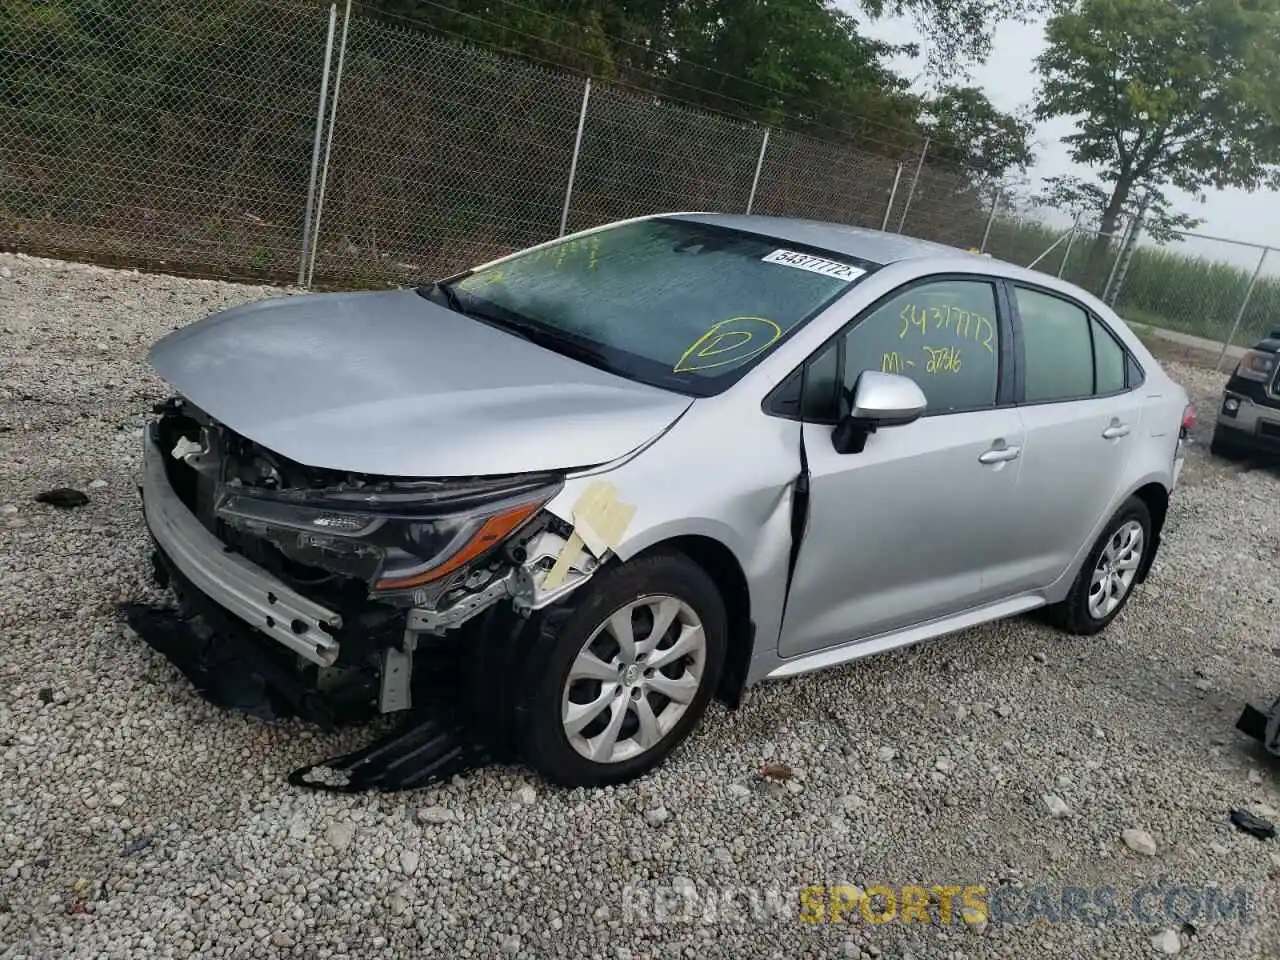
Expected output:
{"points": [[338, 597]]}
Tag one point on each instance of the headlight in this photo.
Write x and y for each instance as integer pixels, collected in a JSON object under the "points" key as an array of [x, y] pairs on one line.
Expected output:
{"points": [[390, 545], [1257, 365]]}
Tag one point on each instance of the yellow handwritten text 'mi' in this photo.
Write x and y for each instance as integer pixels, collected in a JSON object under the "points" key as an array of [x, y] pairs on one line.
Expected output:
{"points": [[937, 360]]}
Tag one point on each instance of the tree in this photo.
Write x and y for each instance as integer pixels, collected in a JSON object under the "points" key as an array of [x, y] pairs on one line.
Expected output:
{"points": [[960, 31], [799, 60], [967, 130], [802, 60], [1181, 93], [1079, 196]]}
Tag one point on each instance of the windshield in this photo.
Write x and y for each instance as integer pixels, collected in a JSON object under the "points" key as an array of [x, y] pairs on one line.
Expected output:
{"points": [[673, 303]]}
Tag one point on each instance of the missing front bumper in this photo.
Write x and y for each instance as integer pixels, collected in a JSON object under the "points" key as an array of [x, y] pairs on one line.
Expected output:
{"points": [[262, 601]]}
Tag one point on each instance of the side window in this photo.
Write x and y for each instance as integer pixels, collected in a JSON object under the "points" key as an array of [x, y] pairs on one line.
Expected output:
{"points": [[1057, 348], [1109, 359], [942, 334]]}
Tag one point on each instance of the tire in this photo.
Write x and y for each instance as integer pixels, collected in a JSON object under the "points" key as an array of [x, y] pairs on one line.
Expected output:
{"points": [[1076, 614], [561, 754], [1223, 446]]}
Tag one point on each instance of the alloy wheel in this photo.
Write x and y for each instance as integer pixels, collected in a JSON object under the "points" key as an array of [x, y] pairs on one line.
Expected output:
{"points": [[634, 679], [1116, 568]]}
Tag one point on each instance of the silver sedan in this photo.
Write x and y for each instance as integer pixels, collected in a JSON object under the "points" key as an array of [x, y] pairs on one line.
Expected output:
{"points": [[621, 473]]}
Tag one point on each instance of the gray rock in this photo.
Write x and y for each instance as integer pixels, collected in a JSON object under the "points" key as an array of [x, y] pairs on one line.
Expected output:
{"points": [[1168, 942], [435, 816], [339, 834], [657, 816], [1139, 841], [1057, 807], [409, 860]]}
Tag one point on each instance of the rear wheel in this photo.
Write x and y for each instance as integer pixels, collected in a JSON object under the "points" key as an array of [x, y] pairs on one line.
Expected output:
{"points": [[626, 675], [1106, 579]]}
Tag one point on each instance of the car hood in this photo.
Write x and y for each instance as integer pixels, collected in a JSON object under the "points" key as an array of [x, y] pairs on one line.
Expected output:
{"points": [[392, 384]]}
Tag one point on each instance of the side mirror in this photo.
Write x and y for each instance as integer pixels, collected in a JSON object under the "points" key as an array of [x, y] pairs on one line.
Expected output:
{"points": [[879, 400]]}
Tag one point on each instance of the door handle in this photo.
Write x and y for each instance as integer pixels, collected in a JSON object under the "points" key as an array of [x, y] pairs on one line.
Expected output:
{"points": [[999, 455], [1115, 431]]}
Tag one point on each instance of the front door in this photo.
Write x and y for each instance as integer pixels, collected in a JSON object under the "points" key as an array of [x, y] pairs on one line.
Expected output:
{"points": [[902, 531]]}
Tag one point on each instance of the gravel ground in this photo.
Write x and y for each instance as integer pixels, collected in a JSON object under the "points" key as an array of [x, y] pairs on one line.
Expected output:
{"points": [[135, 820]]}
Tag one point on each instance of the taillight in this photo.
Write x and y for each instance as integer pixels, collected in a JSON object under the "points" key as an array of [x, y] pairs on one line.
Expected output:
{"points": [[1256, 365], [1188, 417]]}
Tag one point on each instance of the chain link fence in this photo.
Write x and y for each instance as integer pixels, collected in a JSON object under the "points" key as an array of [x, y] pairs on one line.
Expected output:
{"points": [[1213, 288], [284, 139], [158, 133]]}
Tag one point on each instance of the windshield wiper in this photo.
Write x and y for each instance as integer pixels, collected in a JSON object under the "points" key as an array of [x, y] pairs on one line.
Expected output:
{"points": [[552, 340], [444, 290]]}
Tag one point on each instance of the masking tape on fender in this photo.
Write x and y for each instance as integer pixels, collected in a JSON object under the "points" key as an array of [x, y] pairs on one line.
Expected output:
{"points": [[600, 520]]}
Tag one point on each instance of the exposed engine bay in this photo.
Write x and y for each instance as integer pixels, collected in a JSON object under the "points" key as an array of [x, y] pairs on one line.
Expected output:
{"points": [[407, 574]]}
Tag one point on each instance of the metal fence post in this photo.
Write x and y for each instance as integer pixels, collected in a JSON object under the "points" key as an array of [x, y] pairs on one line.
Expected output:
{"points": [[755, 180], [893, 193], [328, 147], [1115, 264], [1248, 292], [573, 164], [1126, 253], [911, 191], [315, 150], [1071, 239], [991, 218]]}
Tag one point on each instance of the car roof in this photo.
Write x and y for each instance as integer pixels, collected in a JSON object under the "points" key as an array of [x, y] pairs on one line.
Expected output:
{"points": [[873, 246], [883, 248]]}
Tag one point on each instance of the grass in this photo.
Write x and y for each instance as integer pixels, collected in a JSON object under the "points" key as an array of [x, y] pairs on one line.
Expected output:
{"points": [[1162, 287]]}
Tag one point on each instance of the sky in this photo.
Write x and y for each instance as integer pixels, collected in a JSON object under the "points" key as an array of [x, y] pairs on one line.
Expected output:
{"points": [[1009, 81]]}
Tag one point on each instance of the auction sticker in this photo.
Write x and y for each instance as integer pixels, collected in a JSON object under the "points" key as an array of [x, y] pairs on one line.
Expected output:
{"points": [[803, 261]]}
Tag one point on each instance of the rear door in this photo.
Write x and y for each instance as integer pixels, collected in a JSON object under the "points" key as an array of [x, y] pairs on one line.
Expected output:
{"points": [[1082, 418]]}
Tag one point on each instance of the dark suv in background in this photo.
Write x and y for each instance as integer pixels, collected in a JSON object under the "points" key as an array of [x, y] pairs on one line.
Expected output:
{"points": [[1249, 417]]}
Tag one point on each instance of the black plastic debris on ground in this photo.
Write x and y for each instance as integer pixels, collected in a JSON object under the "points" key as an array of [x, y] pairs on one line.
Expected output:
{"points": [[1254, 825], [422, 751], [217, 676], [63, 497], [463, 722]]}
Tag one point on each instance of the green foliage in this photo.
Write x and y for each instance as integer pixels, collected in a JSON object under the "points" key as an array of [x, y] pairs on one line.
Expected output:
{"points": [[1075, 195], [969, 131], [764, 60], [960, 31], [1184, 93]]}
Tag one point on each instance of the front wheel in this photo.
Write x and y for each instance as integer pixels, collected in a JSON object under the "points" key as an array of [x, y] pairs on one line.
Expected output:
{"points": [[1106, 579], [624, 677]]}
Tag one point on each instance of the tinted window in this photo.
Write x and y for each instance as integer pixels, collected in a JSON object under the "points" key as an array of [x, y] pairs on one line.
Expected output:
{"points": [[943, 335], [671, 302], [1135, 373], [1108, 360], [1057, 347]]}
